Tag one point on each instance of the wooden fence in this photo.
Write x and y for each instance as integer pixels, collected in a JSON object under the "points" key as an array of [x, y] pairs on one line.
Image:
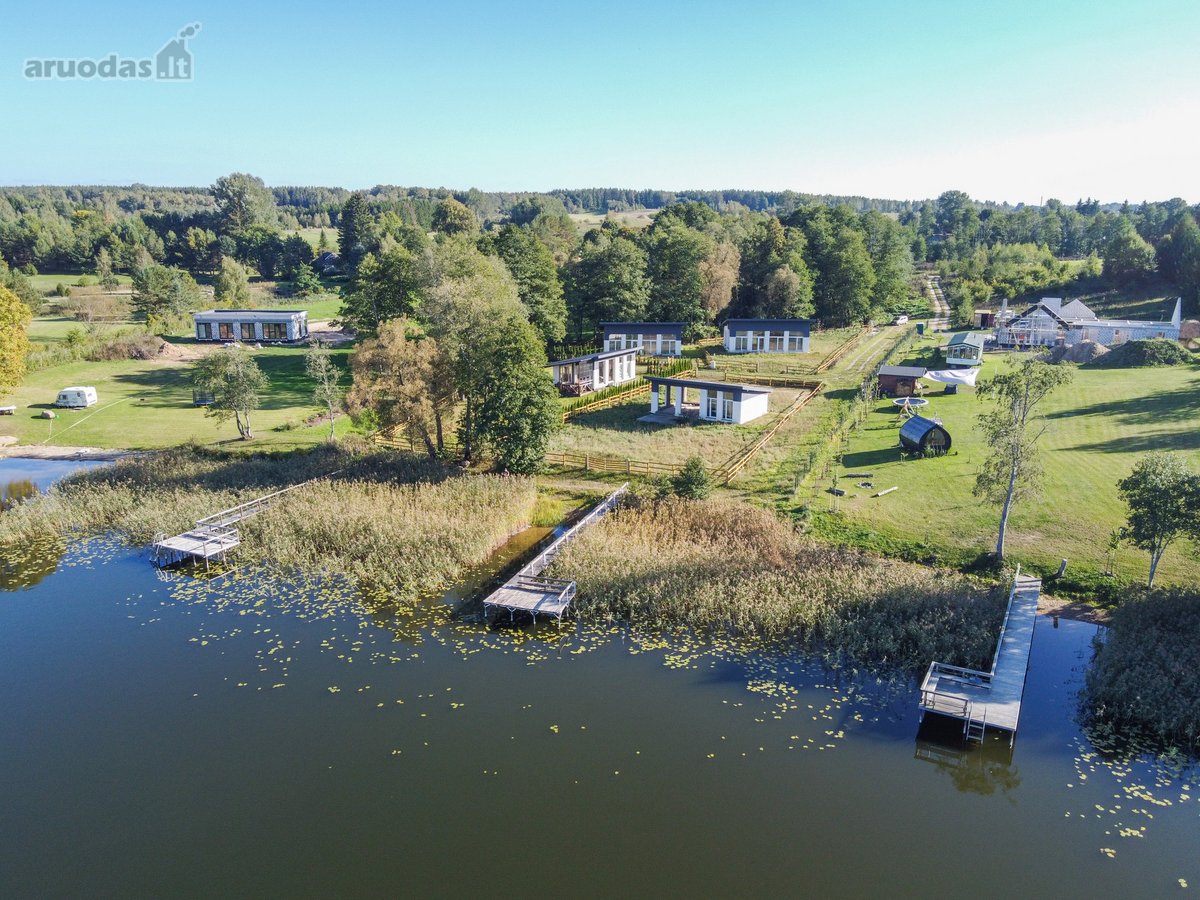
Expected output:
{"points": [[832, 359], [729, 471], [591, 462]]}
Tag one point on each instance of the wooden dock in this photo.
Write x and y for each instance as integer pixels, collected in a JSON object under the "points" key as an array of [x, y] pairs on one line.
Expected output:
{"points": [[992, 699], [528, 591], [215, 535]]}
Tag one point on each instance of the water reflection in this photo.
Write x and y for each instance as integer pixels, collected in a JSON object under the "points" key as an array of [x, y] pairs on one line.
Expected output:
{"points": [[17, 491], [24, 568], [973, 768]]}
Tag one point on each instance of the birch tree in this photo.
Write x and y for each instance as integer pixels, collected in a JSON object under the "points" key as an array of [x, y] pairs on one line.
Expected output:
{"points": [[1163, 496], [1012, 470]]}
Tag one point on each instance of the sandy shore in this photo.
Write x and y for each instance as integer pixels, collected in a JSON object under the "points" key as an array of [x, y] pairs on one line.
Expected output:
{"points": [[42, 451]]}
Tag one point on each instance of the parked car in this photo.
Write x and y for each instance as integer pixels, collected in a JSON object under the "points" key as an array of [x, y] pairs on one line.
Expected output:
{"points": [[76, 397], [900, 320]]}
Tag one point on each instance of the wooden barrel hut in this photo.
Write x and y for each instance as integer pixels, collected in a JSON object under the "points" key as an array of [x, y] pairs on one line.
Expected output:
{"points": [[924, 436]]}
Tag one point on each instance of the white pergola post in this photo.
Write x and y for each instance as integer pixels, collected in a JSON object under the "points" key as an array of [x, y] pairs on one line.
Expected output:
{"points": [[653, 399], [679, 400]]}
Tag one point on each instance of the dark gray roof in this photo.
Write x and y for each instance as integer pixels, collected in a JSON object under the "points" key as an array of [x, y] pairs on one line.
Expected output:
{"points": [[656, 380], [672, 326], [913, 432], [803, 325], [902, 371], [607, 354]]}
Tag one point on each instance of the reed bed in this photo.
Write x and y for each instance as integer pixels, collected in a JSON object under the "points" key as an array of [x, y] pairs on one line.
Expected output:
{"points": [[389, 521], [721, 565], [1144, 686]]}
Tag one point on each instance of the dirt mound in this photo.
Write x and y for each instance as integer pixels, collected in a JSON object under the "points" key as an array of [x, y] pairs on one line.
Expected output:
{"points": [[167, 350], [1083, 352], [1145, 354]]}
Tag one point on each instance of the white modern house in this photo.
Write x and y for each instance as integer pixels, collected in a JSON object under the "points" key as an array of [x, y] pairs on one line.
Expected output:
{"points": [[581, 374], [767, 335], [965, 349], [717, 401], [1050, 321], [648, 338], [251, 325]]}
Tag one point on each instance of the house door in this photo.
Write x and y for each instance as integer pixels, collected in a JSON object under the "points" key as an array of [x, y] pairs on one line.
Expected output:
{"points": [[727, 409], [760, 342], [713, 405]]}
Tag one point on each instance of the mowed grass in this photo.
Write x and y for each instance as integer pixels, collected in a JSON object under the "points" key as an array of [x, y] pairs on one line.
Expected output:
{"points": [[48, 281], [631, 218], [145, 404], [320, 308], [1096, 428]]}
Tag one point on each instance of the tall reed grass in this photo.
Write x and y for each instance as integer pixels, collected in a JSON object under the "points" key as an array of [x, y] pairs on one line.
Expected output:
{"points": [[392, 522], [1144, 686], [727, 566]]}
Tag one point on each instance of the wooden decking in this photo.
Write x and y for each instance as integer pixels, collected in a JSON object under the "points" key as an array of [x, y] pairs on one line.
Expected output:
{"points": [[528, 591], [991, 699]]}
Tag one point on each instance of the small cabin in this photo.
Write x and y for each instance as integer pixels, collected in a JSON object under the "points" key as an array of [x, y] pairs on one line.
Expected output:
{"points": [[716, 401], [284, 326], [76, 397], [647, 338], [767, 335], [965, 349], [899, 381], [581, 374], [924, 436]]}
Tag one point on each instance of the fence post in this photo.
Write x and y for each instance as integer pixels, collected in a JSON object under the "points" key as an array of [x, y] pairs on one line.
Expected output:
{"points": [[586, 467]]}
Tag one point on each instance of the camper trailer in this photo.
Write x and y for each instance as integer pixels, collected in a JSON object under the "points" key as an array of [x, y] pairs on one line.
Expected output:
{"points": [[76, 397]]}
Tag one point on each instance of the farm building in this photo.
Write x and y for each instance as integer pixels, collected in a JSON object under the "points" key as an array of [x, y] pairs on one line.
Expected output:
{"points": [[899, 381], [581, 374], [965, 349], [648, 338], [922, 435], [717, 401], [1050, 321], [251, 325], [767, 335]]}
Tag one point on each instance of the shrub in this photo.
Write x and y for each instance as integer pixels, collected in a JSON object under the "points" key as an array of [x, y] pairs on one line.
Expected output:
{"points": [[61, 290], [693, 481]]}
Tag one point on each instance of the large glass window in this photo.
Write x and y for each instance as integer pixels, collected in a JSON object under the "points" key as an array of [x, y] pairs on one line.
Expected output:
{"points": [[776, 341], [741, 340], [203, 331], [713, 405], [225, 330], [247, 331], [727, 408], [274, 331]]}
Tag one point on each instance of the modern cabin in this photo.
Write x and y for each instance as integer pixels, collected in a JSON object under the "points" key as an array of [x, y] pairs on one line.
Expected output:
{"points": [[648, 338], [965, 349], [899, 381], [581, 374], [268, 326], [767, 335], [924, 436], [715, 401], [1050, 322]]}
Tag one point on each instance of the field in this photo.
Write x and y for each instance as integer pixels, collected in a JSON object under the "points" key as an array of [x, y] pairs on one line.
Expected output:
{"points": [[1096, 428], [148, 404], [48, 281], [631, 218]]}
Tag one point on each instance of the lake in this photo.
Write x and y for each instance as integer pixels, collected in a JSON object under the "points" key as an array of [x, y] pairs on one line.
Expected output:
{"points": [[164, 735]]}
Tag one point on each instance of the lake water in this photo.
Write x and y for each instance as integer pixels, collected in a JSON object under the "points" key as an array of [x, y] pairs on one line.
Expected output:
{"points": [[163, 736]]}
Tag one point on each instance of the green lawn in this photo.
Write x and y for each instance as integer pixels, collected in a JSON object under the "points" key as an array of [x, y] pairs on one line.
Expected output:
{"points": [[48, 281], [632, 218], [1096, 428], [320, 308], [148, 403]]}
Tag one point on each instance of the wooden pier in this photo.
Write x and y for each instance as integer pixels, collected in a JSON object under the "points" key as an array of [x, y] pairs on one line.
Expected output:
{"points": [[215, 535], [992, 699], [528, 591]]}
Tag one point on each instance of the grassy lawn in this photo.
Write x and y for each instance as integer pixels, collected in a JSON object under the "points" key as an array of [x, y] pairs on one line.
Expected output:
{"points": [[47, 281], [320, 307], [148, 403], [1096, 428], [631, 218], [617, 432], [313, 236]]}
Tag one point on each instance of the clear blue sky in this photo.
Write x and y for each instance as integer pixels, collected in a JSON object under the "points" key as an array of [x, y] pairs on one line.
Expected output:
{"points": [[1009, 101]]}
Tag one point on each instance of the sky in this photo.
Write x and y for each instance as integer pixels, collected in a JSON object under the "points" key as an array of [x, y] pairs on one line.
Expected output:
{"points": [[1009, 101]]}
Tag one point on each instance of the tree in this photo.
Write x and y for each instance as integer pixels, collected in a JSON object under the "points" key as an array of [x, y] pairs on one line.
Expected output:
{"points": [[353, 225], [163, 297], [675, 254], [104, 270], [234, 380], [294, 253], [452, 217], [693, 481], [405, 379], [386, 287], [233, 285], [306, 283], [14, 342], [517, 404], [532, 267], [1179, 260], [608, 283], [1010, 471], [1163, 496], [327, 377], [322, 242], [1127, 257], [243, 200]]}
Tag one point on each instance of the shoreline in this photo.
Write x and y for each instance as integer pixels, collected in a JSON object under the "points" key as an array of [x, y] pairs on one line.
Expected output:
{"points": [[38, 451]]}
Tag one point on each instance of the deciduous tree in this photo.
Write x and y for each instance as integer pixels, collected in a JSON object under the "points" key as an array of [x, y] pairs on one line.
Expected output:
{"points": [[234, 380], [14, 341], [1163, 496], [327, 381]]}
